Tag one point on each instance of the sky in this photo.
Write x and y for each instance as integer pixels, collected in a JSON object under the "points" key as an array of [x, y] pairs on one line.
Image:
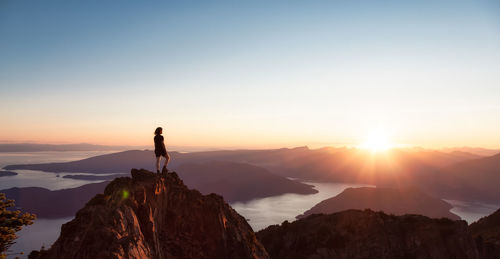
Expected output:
{"points": [[250, 74]]}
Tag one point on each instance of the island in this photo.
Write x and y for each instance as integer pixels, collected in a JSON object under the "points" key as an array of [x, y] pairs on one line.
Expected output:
{"points": [[7, 173], [93, 177], [53, 204], [398, 201], [238, 181]]}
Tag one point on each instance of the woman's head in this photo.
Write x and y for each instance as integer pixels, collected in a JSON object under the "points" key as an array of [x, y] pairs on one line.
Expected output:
{"points": [[158, 131]]}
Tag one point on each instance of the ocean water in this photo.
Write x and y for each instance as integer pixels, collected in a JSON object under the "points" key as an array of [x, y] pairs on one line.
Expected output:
{"points": [[263, 212], [11, 158], [260, 213], [472, 211], [44, 231], [33, 178]]}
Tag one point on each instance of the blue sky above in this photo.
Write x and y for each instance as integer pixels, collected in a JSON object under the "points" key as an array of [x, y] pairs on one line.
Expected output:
{"points": [[221, 73]]}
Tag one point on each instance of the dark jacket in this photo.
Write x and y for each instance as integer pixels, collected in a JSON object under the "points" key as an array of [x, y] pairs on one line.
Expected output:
{"points": [[160, 149]]}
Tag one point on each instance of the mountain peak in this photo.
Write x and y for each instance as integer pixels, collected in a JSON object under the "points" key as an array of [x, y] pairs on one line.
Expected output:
{"points": [[155, 216], [369, 234]]}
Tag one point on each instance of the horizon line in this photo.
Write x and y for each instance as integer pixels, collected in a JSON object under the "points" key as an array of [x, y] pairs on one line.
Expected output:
{"points": [[219, 148]]}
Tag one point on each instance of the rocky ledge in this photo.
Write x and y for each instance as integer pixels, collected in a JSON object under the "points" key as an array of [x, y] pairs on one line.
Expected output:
{"points": [[369, 234], [155, 216]]}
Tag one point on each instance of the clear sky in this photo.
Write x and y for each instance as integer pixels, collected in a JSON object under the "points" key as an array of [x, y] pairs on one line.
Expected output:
{"points": [[252, 74]]}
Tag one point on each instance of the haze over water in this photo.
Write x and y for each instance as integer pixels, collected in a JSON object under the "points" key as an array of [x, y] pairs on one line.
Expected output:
{"points": [[260, 212]]}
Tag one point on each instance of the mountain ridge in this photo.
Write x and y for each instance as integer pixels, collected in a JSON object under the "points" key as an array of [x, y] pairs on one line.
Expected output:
{"points": [[368, 234], [395, 201], [427, 169], [155, 216]]}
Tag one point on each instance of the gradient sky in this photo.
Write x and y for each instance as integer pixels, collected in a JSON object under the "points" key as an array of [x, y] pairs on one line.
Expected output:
{"points": [[252, 74]]}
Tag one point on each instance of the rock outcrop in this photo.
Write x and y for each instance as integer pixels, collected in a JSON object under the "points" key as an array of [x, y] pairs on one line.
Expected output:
{"points": [[486, 231], [155, 216], [368, 234]]}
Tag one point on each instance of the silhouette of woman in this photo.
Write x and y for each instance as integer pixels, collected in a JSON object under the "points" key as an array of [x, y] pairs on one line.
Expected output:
{"points": [[160, 150]]}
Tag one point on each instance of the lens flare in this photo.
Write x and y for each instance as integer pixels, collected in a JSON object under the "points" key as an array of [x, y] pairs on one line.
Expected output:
{"points": [[377, 141]]}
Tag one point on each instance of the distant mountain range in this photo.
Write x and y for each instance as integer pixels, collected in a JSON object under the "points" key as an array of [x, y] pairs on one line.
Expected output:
{"points": [[456, 175], [29, 147], [475, 179], [35, 147], [473, 150]]}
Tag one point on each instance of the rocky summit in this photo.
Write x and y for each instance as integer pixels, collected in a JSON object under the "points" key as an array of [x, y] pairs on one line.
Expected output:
{"points": [[155, 216], [369, 234]]}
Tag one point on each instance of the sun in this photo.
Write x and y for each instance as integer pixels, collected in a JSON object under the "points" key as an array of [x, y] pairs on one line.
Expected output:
{"points": [[377, 141]]}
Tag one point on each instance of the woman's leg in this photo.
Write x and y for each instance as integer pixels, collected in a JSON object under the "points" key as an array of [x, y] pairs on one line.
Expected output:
{"points": [[158, 158], [167, 159]]}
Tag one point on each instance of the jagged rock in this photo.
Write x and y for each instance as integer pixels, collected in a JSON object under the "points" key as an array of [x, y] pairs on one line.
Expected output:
{"points": [[368, 234], [155, 216], [486, 231]]}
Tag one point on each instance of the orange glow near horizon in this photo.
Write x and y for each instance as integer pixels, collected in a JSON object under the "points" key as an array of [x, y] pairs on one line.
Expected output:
{"points": [[234, 136], [279, 79]]}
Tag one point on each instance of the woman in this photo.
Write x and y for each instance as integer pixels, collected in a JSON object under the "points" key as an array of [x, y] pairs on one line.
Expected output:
{"points": [[160, 150]]}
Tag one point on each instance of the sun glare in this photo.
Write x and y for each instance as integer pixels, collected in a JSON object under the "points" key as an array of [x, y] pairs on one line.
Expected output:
{"points": [[377, 141]]}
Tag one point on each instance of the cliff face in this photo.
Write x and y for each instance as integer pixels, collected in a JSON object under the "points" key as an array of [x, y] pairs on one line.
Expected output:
{"points": [[486, 231], [368, 234], [155, 216]]}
